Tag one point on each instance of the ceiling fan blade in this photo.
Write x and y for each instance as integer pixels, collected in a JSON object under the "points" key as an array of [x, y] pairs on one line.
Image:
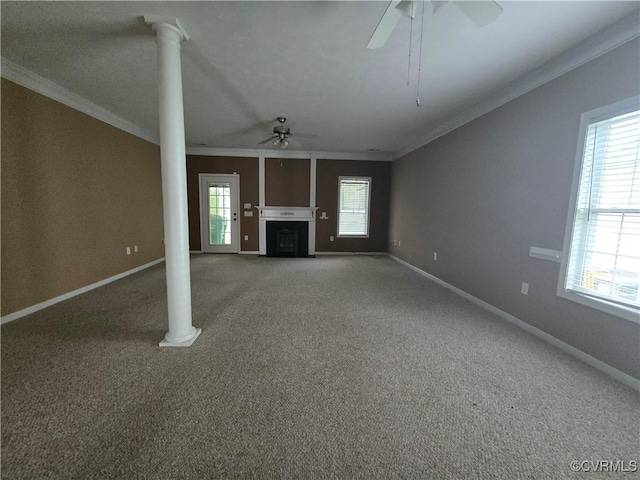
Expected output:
{"points": [[268, 139], [481, 13], [386, 25], [437, 5], [306, 135], [294, 143]]}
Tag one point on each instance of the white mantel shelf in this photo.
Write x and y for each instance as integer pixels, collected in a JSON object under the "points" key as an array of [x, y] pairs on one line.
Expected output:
{"points": [[302, 214], [287, 214]]}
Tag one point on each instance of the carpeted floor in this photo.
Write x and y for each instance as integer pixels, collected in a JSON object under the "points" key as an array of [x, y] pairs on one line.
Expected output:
{"points": [[333, 367]]}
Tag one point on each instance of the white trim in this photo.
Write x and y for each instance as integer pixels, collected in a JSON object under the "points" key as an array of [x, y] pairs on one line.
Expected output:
{"points": [[249, 252], [350, 177], [234, 247], [184, 343], [300, 154], [262, 226], [370, 156], [565, 347], [313, 172], [171, 21], [608, 39], [52, 301], [32, 81], [618, 108], [328, 253]]}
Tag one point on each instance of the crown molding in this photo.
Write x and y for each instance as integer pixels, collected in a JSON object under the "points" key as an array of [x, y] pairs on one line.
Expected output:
{"points": [[301, 154], [606, 40], [26, 78]]}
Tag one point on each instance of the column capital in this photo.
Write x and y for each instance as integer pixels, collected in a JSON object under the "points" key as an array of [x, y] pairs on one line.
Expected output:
{"points": [[159, 21]]}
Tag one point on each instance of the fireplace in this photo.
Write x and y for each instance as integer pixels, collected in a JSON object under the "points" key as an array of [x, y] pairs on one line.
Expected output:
{"points": [[287, 239], [292, 223]]}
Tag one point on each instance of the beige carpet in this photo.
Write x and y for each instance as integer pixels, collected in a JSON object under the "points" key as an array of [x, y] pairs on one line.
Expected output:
{"points": [[334, 367]]}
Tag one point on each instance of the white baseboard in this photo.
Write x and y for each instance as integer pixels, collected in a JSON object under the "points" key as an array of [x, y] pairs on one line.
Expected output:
{"points": [[249, 252], [351, 253], [34, 308], [565, 347]]}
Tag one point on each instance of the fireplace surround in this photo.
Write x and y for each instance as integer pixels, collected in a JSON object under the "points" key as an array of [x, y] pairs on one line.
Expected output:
{"points": [[295, 224]]}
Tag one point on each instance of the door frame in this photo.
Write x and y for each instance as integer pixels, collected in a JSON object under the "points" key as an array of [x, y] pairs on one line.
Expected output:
{"points": [[204, 221]]}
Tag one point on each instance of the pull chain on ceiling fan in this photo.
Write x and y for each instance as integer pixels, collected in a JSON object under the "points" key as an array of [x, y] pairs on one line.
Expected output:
{"points": [[480, 12]]}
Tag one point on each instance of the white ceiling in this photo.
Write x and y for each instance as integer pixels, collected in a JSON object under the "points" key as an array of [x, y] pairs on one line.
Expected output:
{"points": [[249, 62]]}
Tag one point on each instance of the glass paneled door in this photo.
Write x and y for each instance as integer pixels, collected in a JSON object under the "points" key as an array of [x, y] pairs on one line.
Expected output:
{"points": [[220, 225]]}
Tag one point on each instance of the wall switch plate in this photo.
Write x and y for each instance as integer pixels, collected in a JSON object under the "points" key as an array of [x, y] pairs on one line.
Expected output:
{"points": [[248, 213], [399, 243], [128, 250], [331, 238], [524, 289], [246, 237], [135, 248], [247, 206], [435, 255]]}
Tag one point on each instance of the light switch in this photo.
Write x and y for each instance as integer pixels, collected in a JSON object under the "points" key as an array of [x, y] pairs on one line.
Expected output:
{"points": [[247, 205], [248, 213]]}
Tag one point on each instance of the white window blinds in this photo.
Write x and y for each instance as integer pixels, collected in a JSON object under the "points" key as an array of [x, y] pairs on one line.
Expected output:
{"points": [[604, 258], [353, 206]]}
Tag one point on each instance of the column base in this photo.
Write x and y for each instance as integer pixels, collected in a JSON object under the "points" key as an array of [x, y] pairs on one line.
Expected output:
{"points": [[184, 343]]}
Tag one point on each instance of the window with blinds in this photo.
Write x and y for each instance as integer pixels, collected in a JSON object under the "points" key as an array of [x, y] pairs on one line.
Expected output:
{"points": [[604, 253], [353, 206]]}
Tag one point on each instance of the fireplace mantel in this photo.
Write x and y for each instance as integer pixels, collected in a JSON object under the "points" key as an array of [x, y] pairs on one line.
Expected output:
{"points": [[287, 214], [303, 214]]}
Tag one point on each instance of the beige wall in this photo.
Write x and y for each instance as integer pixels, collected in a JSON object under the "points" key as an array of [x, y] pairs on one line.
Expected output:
{"points": [[75, 193], [486, 192]]}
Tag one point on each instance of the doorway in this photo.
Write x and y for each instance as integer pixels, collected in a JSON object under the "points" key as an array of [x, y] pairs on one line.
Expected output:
{"points": [[219, 223]]}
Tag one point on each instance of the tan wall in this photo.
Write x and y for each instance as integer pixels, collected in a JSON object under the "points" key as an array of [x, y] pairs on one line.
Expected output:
{"points": [[247, 168], [75, 193], [327, 174], [486, 192], [287, 182]]}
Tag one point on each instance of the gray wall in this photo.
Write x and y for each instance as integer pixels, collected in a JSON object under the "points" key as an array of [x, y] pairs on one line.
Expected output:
{"points": [[481, 195]]}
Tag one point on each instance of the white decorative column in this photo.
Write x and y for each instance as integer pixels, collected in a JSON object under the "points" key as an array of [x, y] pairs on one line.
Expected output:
{"points": [[169, 34]]}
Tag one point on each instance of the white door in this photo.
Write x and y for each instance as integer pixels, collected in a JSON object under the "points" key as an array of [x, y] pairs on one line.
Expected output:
{"points": [[219, 201]]}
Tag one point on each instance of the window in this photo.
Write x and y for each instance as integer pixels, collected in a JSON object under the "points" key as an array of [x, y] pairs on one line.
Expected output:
{"points": [[602, 268], [353, 206]]}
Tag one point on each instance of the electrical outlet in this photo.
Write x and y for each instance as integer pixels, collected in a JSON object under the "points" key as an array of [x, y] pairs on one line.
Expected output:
{"points": [[524, 289], [246, 237], [128, 250], [331, 238], [435, 255]]}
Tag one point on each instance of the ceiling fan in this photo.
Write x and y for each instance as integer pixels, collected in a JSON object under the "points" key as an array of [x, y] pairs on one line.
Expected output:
{"points": [[281, 137], [480, 12]]}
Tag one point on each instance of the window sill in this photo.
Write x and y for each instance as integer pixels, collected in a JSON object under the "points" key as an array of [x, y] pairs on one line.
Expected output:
{"points": [[352, 236], [627, 313]]}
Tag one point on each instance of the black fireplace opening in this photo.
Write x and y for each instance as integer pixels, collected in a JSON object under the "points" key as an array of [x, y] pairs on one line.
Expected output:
{"points": [[287, 239]]}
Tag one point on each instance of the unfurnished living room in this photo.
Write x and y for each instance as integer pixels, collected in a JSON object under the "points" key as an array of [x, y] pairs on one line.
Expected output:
{"points": [[334, 239]]}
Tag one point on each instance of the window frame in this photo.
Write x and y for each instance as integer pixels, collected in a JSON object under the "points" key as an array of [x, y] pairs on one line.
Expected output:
{"points": [[360, 178], [593, 116]]}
